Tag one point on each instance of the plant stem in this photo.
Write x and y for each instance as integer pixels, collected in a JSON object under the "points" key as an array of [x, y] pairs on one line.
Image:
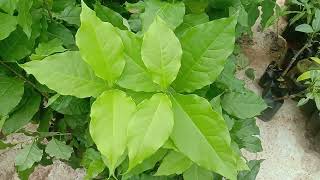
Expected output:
{"points": [[293, 60], [46, 4], [23, 78], [288, 97]]}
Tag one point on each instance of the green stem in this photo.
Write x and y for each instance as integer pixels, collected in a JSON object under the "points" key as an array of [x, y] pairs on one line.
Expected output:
{"points": [[294, 59]]}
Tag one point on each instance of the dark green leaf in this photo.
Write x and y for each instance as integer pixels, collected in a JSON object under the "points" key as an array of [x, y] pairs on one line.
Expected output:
{"points": [[45, 118], [254, 166], [24, 16], [11, 91], [24, 114], [71, 15], [8, 24], [243, 105], [58, 149], [16, 46], [29, 155], [93, 163], [108, 15], [228, 80], [4, 145], [245, 133], [71, 105], [56, 30], [250, 73]]}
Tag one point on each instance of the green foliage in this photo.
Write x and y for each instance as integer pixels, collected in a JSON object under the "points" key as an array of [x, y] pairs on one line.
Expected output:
{"points": [[75, 76], [58, 149], [28, 156], [254, 166], [109, 130], [196, 172], [142, 90]]}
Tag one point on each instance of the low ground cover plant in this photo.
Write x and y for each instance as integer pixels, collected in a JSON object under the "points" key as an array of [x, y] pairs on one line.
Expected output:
{"points": [[129, 90]]}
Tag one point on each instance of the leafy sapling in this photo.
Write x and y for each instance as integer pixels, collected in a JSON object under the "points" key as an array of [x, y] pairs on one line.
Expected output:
{"points": [[169, 122]]}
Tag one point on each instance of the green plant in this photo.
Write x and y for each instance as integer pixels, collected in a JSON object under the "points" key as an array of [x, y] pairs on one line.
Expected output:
{"points": [[305, 11], [312, 81], [161, 102], [312, 33]]}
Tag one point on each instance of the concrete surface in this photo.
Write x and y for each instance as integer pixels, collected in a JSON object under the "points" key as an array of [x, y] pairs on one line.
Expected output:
{"points": [[287, 152]]}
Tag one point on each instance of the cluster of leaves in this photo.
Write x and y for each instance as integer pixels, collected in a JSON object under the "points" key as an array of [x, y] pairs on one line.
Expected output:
{"points": [[311, 79], [306, 10], [313, 29], [144, 92]]}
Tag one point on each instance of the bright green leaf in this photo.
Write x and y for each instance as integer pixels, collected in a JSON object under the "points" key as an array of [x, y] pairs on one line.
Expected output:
{"points": [[205, 50], [11, 91], [197, 173], [316, 21], [135, 75], [58, 149], [173, 163], [24, 16], [267, 11], [243, 105], [147, 164], [135, 8], [8, 24], [315, 59], [9, 5], [149, 128], [45, 49], [67, 74], [191, 20], [100, 46], [196, 6], [171, 13], [161, 53], [29, 155], [202, 135], [306, 28], [110, 115]]}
